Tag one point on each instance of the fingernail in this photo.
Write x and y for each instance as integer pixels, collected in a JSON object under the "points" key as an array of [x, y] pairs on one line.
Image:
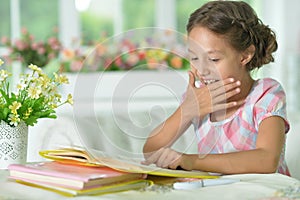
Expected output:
{"points": [[238, 82], [237, 89], [231, 79]]}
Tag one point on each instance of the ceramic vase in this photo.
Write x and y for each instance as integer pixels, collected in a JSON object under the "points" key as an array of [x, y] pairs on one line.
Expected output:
{"points": [[13, 144]]}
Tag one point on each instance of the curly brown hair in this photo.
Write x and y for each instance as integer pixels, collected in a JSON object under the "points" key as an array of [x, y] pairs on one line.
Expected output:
{"points": [[238, 22]]}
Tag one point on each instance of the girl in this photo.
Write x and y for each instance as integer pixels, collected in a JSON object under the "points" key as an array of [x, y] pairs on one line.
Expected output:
{"points": [[240, 122]]}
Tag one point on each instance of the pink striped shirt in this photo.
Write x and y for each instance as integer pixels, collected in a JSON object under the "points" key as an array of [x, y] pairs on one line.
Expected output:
{"points": [[239, 131]]}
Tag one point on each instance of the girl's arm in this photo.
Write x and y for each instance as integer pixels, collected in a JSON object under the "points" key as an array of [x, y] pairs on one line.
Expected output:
{"points": [[198, 103], [263, 159], [167, 133]]}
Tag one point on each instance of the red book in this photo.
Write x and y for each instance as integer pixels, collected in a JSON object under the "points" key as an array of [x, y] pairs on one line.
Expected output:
{"points": [[70, 176]]}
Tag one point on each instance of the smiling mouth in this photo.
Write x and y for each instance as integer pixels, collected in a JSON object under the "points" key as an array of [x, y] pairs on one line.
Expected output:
{"points": [[210, 81]]}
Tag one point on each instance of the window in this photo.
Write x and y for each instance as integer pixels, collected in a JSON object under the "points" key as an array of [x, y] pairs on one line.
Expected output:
{"points": [[185, 8], [100, 19], [40, 18], [183, 11], [5, 18], [97, 20], [138, 14]]}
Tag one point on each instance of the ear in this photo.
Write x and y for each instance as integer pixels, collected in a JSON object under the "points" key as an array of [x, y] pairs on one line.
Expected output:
{"points": [[247, 55]]}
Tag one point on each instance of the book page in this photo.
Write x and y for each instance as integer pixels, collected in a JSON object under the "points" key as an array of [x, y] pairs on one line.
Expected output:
{"points": [[96, 157], [135, 165]]}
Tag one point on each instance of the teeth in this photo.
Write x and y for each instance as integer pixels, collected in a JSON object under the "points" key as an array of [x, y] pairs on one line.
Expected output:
{"points": [[210, 81]]}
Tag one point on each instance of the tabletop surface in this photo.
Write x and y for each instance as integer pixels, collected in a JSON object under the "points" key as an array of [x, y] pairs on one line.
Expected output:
{"points": [[249, 186]]}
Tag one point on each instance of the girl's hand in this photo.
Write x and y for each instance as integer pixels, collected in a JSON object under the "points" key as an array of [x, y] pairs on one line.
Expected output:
{"points": [[209, 98], [168, 158]]}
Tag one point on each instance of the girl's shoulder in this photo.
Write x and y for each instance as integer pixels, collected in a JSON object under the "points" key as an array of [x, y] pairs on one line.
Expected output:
{"points": [[266, 86], [266, 90], [268, 82]]}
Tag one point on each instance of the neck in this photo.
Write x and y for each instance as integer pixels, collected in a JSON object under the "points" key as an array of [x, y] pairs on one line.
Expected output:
{"points": [[246, 86]]}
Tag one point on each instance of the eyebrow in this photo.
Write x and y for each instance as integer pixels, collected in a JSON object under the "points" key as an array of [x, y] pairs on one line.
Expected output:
{"points": [[209, 52], [189, 50]]}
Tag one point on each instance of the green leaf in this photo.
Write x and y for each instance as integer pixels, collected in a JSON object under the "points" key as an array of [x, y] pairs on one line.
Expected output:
{"points": [[47, 113], [4, 95], [5, 112], [30, 121], [50, 116]]}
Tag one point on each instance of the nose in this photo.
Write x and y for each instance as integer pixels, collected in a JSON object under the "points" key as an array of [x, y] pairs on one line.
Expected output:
{"points": [[202, 67], [202, 64], [203, 70]]}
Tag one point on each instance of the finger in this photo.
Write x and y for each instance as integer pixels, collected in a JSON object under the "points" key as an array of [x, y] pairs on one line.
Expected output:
{"points": [[200, 78], [163, 160], [225, 96], [227, 105], [172, 159], [152, 159], [223, 89], [191, 79], [221, 83], [175, 164]]}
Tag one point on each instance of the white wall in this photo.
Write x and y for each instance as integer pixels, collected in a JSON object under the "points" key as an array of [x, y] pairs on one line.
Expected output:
{"points": [[283, 16]]}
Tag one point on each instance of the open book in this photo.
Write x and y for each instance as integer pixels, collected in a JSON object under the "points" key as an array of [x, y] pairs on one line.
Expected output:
{"points": [[77, 155]]}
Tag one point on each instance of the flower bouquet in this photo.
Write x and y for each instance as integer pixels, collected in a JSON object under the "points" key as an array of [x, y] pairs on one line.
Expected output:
{"points": [[36, 96]]}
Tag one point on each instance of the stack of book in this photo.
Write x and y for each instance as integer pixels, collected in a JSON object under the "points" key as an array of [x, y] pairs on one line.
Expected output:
{"points": [[76, 171], [73, 180]]}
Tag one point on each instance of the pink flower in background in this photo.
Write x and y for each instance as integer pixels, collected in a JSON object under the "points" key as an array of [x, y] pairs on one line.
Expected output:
{"points": [[51, 56], [41, 50], [133, 59], [156, 52], [20, 45], [5, 40], [24, 30], [118, 61], [76, 66], [29, 51], [34, 46], [31, 37]]}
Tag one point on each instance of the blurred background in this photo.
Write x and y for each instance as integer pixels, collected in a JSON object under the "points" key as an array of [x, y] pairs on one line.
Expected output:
{"points": [[81, 23]]}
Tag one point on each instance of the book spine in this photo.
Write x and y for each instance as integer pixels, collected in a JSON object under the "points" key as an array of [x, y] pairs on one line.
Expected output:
{"points": [[33, 170]]}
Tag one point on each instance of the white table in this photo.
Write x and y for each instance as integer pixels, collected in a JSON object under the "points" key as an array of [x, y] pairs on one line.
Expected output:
{"points": [[125, 130], [251, 186]]}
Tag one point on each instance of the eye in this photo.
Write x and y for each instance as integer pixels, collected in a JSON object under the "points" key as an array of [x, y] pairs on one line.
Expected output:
{"points": [[214, 59], [194, 58]]}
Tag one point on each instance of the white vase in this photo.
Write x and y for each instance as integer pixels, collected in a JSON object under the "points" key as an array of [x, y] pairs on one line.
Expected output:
{"points": [[13, 144]]}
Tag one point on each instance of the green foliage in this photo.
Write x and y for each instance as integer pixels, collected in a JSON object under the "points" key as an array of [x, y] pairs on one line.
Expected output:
{"points": [[93, 27], [5, 18], [184, 9], [36, 97], [39, 17], [138, 14]]}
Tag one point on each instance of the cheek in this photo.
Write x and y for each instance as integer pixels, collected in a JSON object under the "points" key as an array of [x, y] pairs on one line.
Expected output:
{"points": [[223, 74], [196, 66], [227, 70], [193, 68]]}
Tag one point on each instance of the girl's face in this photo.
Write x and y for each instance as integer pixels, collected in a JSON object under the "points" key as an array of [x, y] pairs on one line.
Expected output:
{"points": [[213, 57]]}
